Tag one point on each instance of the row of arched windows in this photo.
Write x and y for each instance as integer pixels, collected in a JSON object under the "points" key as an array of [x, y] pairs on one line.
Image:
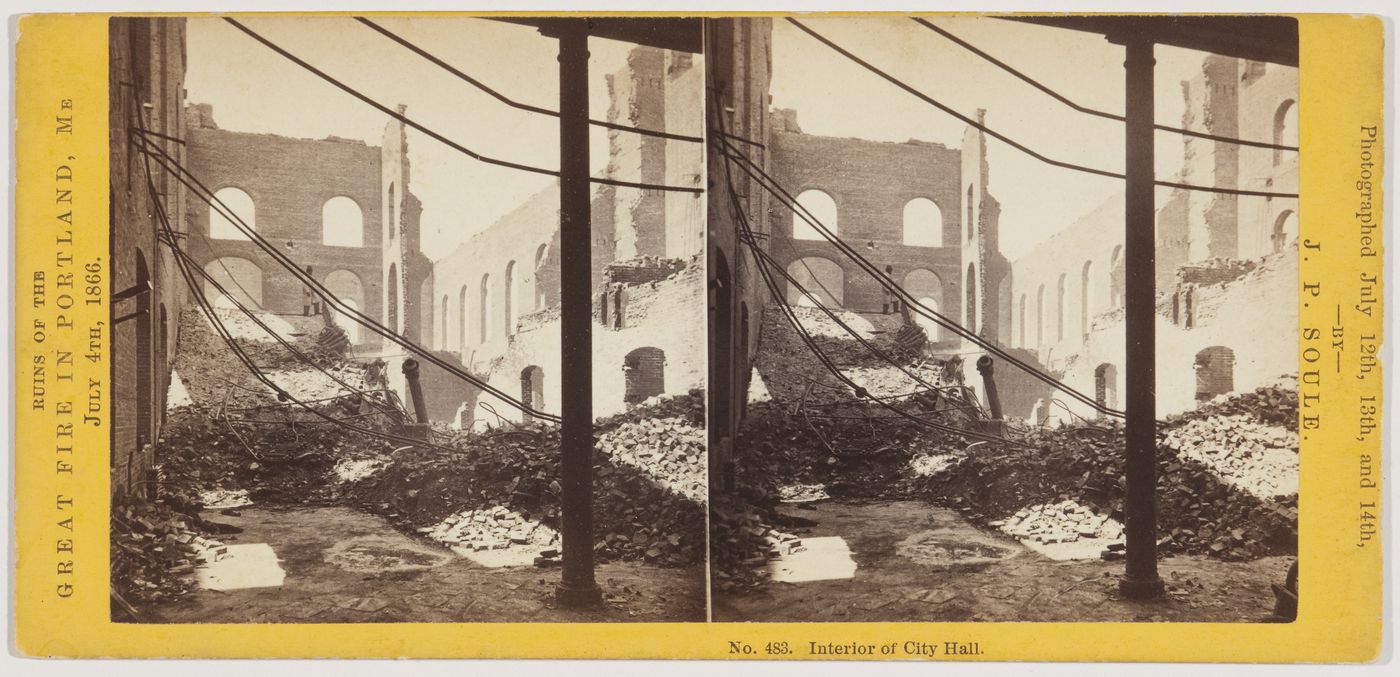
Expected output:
{"points": [[499, 300], [1033, 330], [923, 220], [342, 220]]}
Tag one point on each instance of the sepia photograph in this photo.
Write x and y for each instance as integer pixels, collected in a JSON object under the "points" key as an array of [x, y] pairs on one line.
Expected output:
{"points": [[408, 320], [1004, 318]]}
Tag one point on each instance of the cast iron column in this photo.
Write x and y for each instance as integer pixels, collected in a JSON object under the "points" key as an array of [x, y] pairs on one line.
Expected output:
{"points": [[1140, 580], [577, 587]]}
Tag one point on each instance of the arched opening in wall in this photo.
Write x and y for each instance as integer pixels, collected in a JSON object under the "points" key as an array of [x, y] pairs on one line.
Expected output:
{"points": [[145, 374], [462, 322], [391, 213], [1215, 373], [391, 293], [970, 314], [971, 227], [1060, 308], [923, 223], [342, 223], [644, 374], [1285, 128], [346, 286], [163, 355], [1040, 316], [822, 209], [240, 278], [1086, 298], [1021, 322], [537, 290], [445, 338], [1115, 278], [927, 287], [484, 311], [532, 388], [1106, 385], [507, 294], [1285, 230], [226, 200], [822, 278], [721, 353], [745, 368]]}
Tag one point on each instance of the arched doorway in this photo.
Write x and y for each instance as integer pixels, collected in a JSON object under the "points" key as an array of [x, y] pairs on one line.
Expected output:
{"points": [[1215, 373], [925, 286], [532, 388], [1106, 385], [820, 277], [240, 278], [644, 374]]}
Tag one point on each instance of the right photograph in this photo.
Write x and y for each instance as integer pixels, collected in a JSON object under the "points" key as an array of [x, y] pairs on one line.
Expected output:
{"points": [[1003, 318]]}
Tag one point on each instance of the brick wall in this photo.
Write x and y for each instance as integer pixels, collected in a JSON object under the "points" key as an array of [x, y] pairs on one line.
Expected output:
{"points": [[870, 182], [147, 65], [289, 181]]}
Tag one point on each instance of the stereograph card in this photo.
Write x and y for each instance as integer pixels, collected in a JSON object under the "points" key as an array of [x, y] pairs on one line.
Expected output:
{"points": [[972, 337]]}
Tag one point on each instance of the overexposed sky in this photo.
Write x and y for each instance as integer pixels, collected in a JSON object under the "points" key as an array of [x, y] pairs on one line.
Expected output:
{"points": [[837, 97], [253, 89]]}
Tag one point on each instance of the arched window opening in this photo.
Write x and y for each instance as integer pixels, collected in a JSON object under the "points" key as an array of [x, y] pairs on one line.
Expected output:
{"points": [[145, 374], [923, 223], [970, 313], [342, 223], [532, 388], [1115, 278], [346, 286], [240, 205], [644, 374], [1285, 230], [538, 294], [1285, 128], [1040, 316], [484, 312], [1021, 323], [1086, 298], [822, 278], [443, 341], [1106, 385], [391, 292], [1215, 373], [391, 212], [1060, 309], [462, 322], [240, 278], [822, 208], [971, 227], [925, 285], [507, 294]]}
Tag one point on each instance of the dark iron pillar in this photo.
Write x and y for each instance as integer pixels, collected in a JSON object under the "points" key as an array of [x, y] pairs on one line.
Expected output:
{"points": [[578, 587], [1140, 580]]}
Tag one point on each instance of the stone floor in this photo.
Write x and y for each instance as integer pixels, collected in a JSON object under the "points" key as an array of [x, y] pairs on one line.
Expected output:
{"points": [[917, 562], [344, 566]]}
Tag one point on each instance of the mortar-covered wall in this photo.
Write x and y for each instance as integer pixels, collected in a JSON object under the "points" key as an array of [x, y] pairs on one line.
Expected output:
{"points": [[667, 315], [289, 183], [1254, 318], [870, 183], [146, 71]]}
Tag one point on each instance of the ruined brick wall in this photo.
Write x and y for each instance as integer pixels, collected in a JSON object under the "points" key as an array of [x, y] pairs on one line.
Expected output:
{"points": [[147, 66], [870, 183], [290, 181], [738, 70], [667, 315]]}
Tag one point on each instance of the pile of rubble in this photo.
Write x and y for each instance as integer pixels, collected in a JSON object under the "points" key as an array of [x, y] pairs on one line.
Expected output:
{"points": [[1063, 522], [495, 528], [1274, 404], [671, 451], [1199, 510], [648, 497], [1259, 459], [743, 540], [153, 554]]}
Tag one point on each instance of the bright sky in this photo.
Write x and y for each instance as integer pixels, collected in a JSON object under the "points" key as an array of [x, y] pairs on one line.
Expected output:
{"points": [[253, 89], [836, 97]]}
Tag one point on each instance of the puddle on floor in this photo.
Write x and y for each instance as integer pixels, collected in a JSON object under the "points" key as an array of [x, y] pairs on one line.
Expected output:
{"points": [[513, 556], [1083, 548], [248, 565], [377, 554], [817, 559], [942, 547]]}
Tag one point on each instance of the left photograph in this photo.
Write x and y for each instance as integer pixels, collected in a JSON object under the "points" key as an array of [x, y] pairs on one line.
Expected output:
{"points": [[407, 320]]}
